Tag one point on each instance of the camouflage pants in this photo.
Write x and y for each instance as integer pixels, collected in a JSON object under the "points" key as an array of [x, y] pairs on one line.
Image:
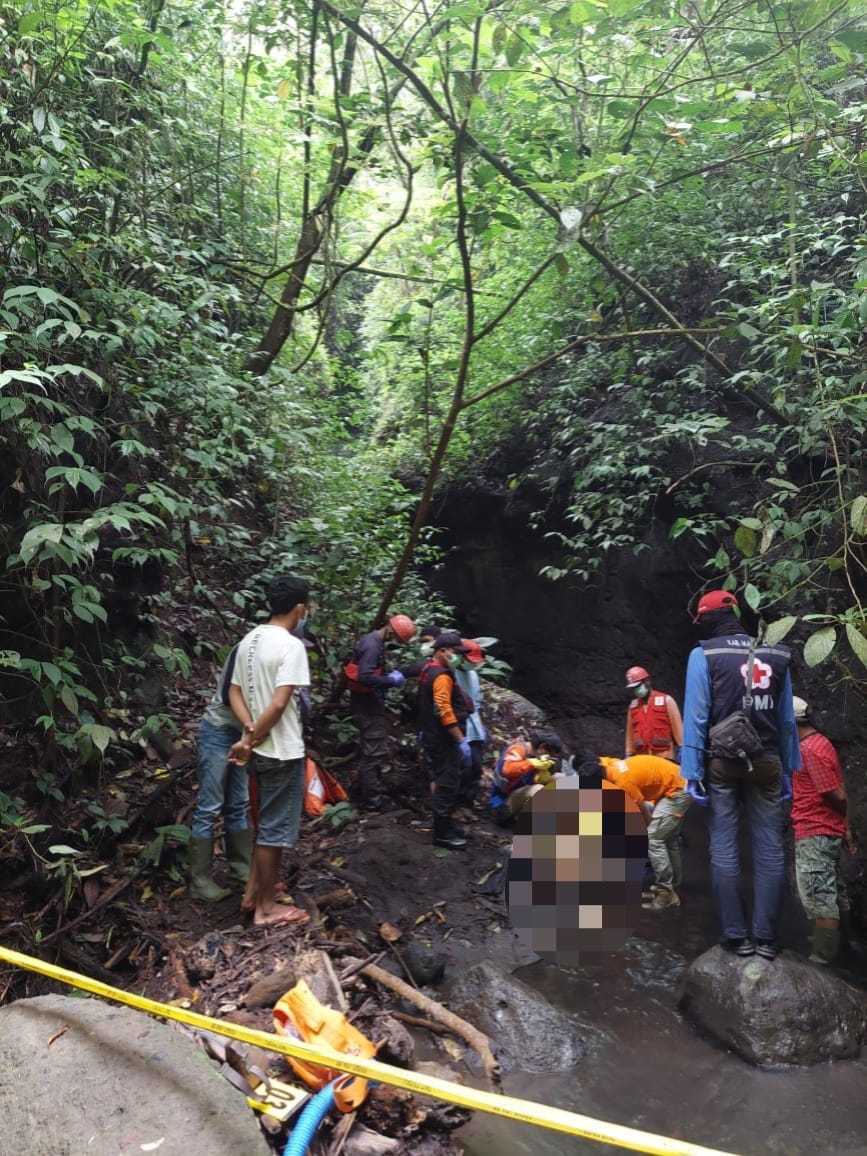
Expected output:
{"points": [[817, 872], [663, 835]]}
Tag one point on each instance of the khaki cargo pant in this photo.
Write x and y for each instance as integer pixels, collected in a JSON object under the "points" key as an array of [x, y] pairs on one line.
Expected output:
{"points": [[663, 833]]}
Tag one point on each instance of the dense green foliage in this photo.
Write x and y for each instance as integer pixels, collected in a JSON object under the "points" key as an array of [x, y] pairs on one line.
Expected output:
{"points": [[439, 202]]}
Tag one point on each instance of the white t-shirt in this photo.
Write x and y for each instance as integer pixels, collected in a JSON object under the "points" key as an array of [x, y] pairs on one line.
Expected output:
{"points": [[269, 657]]}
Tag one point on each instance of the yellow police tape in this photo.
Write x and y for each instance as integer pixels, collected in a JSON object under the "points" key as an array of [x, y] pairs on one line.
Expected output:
{"points": [[524, 1111]]}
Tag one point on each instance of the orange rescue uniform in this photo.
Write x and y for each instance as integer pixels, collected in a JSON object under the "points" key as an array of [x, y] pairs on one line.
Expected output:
{"points": [[644, 778]]}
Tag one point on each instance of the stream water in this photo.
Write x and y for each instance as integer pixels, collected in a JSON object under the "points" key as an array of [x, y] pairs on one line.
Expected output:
{"points": [[650, 1069]]}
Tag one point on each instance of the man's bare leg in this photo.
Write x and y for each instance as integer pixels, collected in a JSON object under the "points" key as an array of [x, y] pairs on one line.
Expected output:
{"points": [[266, 868]]}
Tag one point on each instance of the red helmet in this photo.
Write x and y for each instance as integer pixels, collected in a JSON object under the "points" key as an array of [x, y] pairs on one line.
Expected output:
{"points": [[715, 600], [636, 675], [403, 627], [473, 652]]}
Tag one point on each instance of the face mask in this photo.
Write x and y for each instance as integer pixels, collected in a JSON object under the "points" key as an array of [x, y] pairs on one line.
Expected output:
{"points": [[455, 661], [642, 690], [426, 649]]}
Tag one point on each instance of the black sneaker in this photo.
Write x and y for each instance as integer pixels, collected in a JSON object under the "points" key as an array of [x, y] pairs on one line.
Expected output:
{"points": [[767, 949], [448, 835], [741, 947]]}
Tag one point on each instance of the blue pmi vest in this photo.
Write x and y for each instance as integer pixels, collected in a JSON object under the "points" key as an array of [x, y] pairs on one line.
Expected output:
{"points": [[727, 659]]}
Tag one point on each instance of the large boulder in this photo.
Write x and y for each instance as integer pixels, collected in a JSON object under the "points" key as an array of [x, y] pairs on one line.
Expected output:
{"points": [[525, 1030], [80, 1075], [773, 1014]]}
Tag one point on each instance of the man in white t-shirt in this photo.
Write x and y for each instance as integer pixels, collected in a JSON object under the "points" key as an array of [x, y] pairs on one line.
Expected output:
{"points": [[270, 667]]}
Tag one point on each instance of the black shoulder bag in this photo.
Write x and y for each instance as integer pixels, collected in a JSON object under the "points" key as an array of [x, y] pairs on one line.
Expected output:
{"points": [[735, 737]]}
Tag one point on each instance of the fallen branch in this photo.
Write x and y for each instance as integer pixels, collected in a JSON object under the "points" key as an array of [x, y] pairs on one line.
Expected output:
{"points": [[421, 1022], [477, 1040], [103, 901]]}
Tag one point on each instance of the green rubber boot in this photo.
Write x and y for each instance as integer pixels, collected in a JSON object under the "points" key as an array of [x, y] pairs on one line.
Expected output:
{"points": [[824, 944], [202, 886], [239, 853]]}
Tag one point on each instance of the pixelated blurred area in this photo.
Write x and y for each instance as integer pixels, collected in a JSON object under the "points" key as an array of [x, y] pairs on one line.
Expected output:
{"points": [[575, 872]]}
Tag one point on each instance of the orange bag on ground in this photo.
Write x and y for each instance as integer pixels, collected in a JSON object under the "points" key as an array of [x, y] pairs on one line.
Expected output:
{"points": [[300, 1013], [320, 789]]}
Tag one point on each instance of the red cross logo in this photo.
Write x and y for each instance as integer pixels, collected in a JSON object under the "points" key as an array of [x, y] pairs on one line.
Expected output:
{"points": [[761, 674]]}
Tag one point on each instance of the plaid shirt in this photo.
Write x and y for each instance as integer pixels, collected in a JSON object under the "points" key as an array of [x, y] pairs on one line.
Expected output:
{"points": [[820, 773]]}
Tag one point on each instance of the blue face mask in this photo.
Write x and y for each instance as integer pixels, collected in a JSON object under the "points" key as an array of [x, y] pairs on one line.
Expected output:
{"points": [[302, 622]]}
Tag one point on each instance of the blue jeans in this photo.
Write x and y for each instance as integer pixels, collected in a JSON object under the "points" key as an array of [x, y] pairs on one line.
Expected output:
{"points": [[223, 788], [730, 786]]}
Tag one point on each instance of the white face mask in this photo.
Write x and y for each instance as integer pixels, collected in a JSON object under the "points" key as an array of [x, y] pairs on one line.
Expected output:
{"points": [[426, 649]]}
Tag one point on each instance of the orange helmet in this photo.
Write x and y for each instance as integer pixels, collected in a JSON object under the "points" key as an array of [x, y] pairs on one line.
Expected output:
{"points": [[636, 675], [402, 626]]}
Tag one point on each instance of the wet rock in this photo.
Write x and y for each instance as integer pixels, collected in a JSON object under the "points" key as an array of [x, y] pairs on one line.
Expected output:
{"points": [[517, 710], [203, 958], [439, 1071], [785, 1012], [398, 1046], [525, 1030], [113, 1081], [427, 967]]}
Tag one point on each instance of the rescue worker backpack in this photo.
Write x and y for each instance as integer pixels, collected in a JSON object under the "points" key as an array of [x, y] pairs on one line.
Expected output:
{"points": [[743, 719]]}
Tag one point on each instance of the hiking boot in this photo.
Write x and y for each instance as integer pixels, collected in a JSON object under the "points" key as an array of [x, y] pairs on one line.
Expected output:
{"points": [[741, 947], [767, 949], [448, 834], [239, 853], [663, 897], [201, 885], [649, 892]]}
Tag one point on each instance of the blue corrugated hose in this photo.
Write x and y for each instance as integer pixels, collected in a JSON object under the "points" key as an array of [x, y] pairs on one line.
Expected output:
{"points": [[309, 1120]]}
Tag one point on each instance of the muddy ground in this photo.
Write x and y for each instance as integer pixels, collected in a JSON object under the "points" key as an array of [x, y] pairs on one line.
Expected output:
{"points": [[133, 924]]}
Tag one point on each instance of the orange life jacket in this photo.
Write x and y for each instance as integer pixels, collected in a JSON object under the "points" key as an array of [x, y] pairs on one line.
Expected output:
{"points": [[651, 728]]}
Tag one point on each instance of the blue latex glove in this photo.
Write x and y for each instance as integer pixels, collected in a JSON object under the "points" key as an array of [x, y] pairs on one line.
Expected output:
{"points": [[466, 752], [396, 678], [697, 791], [785, 788]]}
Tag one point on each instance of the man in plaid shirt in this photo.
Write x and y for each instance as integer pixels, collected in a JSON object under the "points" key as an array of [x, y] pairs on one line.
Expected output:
{"points": [[820, 826]]}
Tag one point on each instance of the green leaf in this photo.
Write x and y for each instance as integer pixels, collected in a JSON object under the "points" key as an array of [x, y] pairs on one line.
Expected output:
{"points": [[778, 630], [54, 673], [783, 484], [67, 697], [514, 50], [748, 331], [819, 645], [751, 523], [857, 641], [752, 596], [507, 219], [62, 849], [858, 516], [746, 541], [38, 536], [100, 736]]}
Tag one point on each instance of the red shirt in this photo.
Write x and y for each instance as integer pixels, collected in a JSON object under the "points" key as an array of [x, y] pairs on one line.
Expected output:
{"points": [[820, 772]]}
